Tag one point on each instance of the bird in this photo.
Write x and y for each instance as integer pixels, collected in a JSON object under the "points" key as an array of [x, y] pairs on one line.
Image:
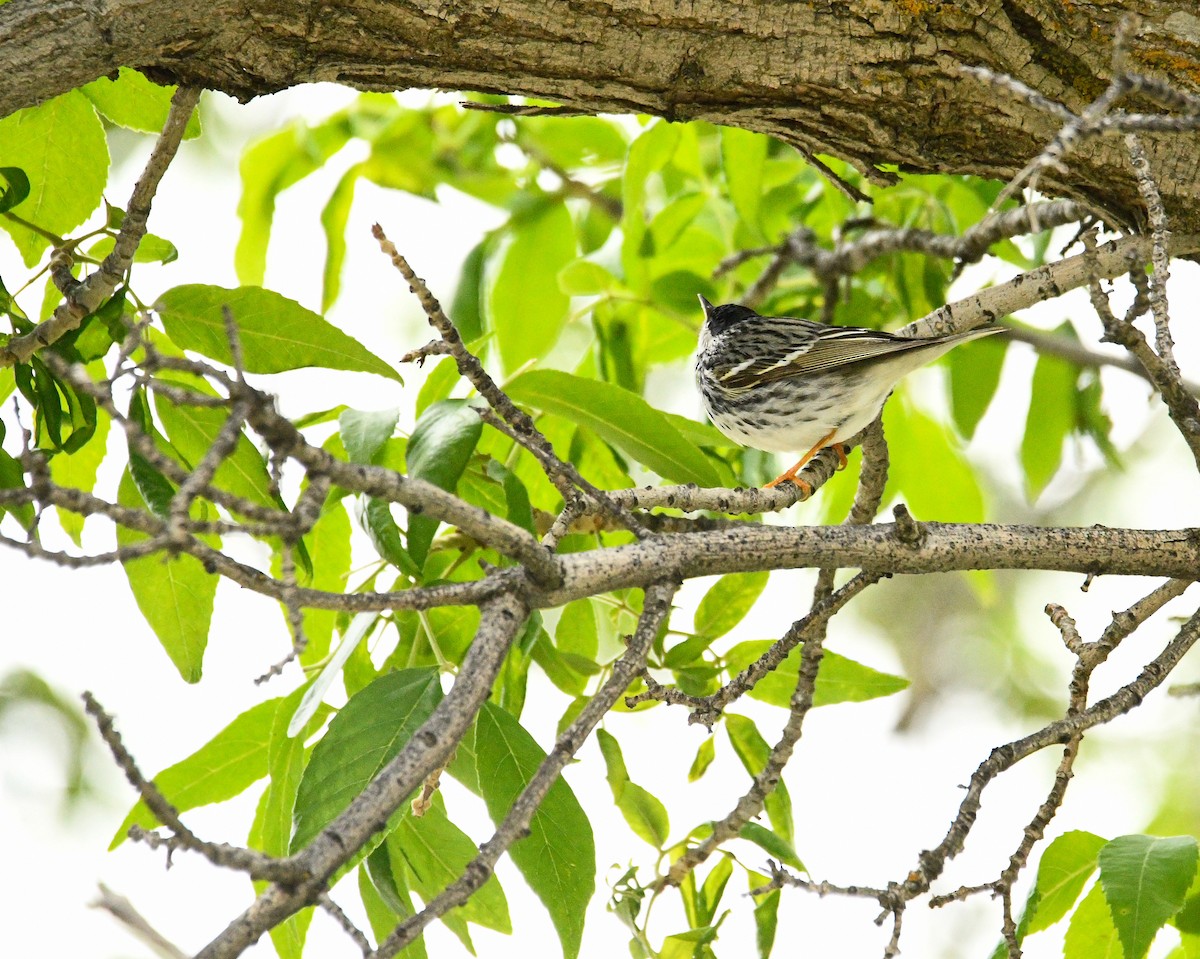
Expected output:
{"points": [[785, 384]]}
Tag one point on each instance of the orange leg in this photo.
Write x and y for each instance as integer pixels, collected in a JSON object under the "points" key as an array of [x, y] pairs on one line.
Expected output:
{"points": [[790, 475]]}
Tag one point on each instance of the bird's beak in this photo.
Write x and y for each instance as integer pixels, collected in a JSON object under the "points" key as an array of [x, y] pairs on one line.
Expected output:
{"points": [[708, 307]]}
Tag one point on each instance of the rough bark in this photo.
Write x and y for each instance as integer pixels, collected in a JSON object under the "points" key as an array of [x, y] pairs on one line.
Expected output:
{"points": [[873, 82]]}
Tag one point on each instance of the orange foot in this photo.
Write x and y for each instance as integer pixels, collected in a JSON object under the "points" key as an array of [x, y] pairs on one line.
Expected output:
{"points": [[790, 475]]}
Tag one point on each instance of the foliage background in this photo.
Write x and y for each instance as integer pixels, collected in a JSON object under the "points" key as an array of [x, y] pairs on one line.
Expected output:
{"points": [[991, 670]]}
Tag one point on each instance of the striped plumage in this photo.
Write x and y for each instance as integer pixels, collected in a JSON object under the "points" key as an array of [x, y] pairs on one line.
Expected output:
{"points": [[786, 384]]}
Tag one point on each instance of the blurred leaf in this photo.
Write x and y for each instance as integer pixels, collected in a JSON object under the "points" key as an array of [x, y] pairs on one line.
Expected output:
{"points": [[466, 309], [334, 217], [524, 304], [276, 333], [647, 154], [61, 147], [742, 156], [224, 767], [922, 447], [268, 167], [495, 760], [706, 752], [21, 688], [174, 593], [753, 751], [1145, 879], [133, 102], [591, 142], [728, 601], [840, 680], [576, 631], [366, 734], [974, 376], [644, 813], [586, 278], [621, 417], [438, 451], [516, 498], [1051, 418]]}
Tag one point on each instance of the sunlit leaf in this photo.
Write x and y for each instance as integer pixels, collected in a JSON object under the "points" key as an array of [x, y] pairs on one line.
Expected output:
{"points": [[174, 593], [438, 451], [728, 601], [525, 306], [136, 103], [621, 417], [276, 333], [61, 147], [1145, 879], [224, 767]]}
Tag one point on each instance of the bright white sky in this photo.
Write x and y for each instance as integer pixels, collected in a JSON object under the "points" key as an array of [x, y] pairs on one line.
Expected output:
{"points": [[866, 799]]}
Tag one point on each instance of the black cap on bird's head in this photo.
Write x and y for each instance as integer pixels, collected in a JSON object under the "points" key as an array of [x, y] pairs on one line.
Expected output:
{"points": [[721, 318]]}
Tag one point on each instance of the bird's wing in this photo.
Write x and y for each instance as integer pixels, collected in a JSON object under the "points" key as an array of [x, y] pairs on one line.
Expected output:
{"points": [[793, 347]]}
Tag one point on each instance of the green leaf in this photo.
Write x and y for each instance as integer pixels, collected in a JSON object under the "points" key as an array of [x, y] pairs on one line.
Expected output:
{"points": [[526, 308], [706, 752], [366, 734], [840, 680], [192, 430], [433, 853], [1145, 879], [270, 166], [743, 156], [517, 509], [466, 309], [586, 278], [329, 546], [272, 826], [921, 445], [334, 217], [974, 375], [386, 903], [438, 451], [648, 153], [276, 333], [364, 433], [78, 471], [728, 601], [150, 249], [644, 813], [1091, 933], [495, 760], [12, 476], [771, 844], [1050, 420], [133, 102], [619, 416], [174, 593], [224, 767], [16, 187], [1064, 868], [766, 916], [61, 147], [753, 751]]}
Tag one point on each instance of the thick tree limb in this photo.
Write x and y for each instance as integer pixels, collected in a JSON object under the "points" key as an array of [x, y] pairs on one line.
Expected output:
{"points": [[867, 81]]}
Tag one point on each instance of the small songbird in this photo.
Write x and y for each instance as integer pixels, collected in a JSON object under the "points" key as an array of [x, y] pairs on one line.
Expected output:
{"points": [[783, 384]]}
